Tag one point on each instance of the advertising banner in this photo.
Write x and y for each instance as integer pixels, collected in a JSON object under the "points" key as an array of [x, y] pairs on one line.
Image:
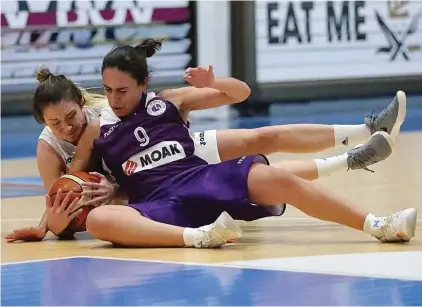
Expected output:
{"points": [[71, 37], [325, 40]]}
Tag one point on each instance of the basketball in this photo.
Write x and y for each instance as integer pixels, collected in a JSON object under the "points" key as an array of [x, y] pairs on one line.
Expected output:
{"points": [[72, 182]]}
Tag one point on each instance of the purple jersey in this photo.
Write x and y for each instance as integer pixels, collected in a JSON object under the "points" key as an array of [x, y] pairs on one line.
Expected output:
{"points": [[146, 148]]}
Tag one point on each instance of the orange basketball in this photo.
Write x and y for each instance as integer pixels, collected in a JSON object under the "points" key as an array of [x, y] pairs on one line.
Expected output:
{"points": [[72, 182]]}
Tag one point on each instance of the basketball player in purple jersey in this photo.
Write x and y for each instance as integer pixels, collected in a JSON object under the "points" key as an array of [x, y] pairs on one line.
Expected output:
{"points": [[212, 146], [145, 143]]}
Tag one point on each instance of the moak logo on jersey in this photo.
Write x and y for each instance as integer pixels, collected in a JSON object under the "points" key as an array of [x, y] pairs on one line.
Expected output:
{"points": [[155, 156], [129, 167]]}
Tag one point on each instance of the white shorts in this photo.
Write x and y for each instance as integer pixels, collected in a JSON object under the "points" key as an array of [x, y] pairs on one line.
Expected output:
{"points": [[206, 146]]}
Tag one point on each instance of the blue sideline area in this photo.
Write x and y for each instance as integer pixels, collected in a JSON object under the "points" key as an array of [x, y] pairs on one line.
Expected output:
{"points": [[83, 281]]}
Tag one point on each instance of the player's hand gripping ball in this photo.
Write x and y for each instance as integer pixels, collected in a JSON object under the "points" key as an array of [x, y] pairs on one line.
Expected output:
{"points": [[73, 182]]}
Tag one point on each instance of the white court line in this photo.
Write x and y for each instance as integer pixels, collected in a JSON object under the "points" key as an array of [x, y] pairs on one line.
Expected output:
{"points": [[120, 259], [226, 265]]}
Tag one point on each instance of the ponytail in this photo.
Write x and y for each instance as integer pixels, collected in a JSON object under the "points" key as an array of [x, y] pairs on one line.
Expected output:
{"points": [[148, 47]]}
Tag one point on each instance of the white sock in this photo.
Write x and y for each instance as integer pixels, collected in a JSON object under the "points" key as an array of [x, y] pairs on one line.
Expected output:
{"points": [[189, 235], [328, 166], [349, 135], [373, 225]]}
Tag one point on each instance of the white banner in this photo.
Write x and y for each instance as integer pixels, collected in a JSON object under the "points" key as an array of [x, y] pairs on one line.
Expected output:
{"points": [[322, 40]]}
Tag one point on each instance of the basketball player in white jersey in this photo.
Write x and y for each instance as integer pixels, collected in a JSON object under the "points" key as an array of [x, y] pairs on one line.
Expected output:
{"points": [[67, 118]]}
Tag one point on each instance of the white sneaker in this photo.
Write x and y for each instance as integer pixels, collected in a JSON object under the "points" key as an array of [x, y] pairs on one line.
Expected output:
{"points": [[223, 230], [399, 227]]}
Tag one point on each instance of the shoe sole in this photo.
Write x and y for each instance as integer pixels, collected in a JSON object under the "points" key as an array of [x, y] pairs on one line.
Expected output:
{"points": [[411, 223], [388, 138], [401, 98]]}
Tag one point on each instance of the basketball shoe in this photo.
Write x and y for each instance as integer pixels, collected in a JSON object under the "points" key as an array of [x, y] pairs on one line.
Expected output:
{"points": [[391, 118], [378, 148], [398, 227], [223, 230]]}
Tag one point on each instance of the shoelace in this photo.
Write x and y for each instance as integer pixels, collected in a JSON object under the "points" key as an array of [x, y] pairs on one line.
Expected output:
{"points": [[385, 227], [212, 237], [376, 119], [361, 156], [388, 224]]}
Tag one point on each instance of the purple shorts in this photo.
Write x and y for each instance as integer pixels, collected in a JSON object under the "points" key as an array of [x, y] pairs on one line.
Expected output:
{"points": [[199, 196]]}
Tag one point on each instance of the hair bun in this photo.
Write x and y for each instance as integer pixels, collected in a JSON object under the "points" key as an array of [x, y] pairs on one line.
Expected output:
{"points": [[43, 75], [149, 47]]}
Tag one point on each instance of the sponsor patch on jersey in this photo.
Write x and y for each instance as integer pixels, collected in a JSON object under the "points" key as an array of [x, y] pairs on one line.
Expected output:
{"points": [[155, 156], [156, 107]]}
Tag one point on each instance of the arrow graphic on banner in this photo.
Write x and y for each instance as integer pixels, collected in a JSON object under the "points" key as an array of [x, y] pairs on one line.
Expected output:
{"points": [[398, 44]]}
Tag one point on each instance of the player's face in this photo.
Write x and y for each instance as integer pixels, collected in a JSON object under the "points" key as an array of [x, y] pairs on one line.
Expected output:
{"points": [[66, 120], [123, 92]]}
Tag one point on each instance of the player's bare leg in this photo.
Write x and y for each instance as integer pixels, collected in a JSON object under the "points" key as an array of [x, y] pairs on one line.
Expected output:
{"points": [[307, 138], [127, 227]]}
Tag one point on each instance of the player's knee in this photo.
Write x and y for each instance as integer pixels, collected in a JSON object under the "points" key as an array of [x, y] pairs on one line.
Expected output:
{"points": [[98, 221], [266, 184]]}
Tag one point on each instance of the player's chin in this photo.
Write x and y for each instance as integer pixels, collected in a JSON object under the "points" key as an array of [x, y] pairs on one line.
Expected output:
{"points": [[119, 111], [73, 138]]}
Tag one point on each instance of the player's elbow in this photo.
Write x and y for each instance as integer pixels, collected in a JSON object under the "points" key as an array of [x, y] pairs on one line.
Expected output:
{"points": [[243, 93]]}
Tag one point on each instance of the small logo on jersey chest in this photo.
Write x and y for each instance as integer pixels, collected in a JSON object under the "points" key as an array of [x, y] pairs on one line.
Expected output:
{"points": [[156, 107], [111, 129]]}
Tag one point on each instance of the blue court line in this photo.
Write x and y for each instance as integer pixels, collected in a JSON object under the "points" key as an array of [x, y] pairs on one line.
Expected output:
{"points": [[35, 180], [21, 186], [87, 281]]}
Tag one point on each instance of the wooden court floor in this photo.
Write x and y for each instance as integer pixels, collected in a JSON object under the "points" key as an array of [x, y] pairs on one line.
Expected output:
{"points": [[396, 184]]}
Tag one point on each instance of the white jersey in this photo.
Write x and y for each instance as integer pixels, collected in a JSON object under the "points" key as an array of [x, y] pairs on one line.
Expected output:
{"points": [[63, 148]]}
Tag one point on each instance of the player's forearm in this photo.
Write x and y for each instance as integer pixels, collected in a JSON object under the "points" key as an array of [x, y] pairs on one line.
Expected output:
{"points": [[43, 222], [118, 193], [233, 88]]}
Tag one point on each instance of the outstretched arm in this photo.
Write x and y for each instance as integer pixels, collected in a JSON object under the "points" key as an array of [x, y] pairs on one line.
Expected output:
{"points": [[50, 167], [81, 162], [207, 91]]}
